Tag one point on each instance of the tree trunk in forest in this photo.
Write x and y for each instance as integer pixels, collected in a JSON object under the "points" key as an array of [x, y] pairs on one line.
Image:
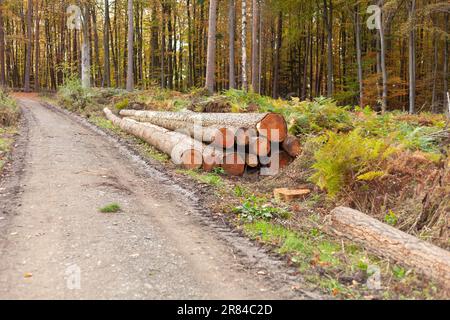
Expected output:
{"points": [[2, 48], [359, 56], [384, 103], [412, 58], [29, 45], [392, 243], [37, 49], [277, 59], [232, 36], [130, 48], [445, 71], [182, 149], [328, 22], [211, 54], [435, 69], [255, 46], [244, 45], [270, 125], [106, 62], [85, 52]]}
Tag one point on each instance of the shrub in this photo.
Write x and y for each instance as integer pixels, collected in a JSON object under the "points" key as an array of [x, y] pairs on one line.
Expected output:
{"points": [[345, 157], [73, 96], [122, 104], [9, 111]]}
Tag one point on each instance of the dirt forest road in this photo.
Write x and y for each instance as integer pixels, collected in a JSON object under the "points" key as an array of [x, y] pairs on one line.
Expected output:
{"points": [[54, 244]]}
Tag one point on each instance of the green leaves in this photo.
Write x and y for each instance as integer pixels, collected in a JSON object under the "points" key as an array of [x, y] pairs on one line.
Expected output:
{"points": [[255, 208]]}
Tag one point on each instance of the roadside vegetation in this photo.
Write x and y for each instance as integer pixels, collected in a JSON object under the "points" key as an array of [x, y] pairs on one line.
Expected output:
{"points": [[9, 117], [392, 166]]}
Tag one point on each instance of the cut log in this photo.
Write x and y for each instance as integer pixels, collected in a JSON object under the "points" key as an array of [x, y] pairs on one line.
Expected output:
{"points": [[292, 146], [389, 242], [276, 162], [233, 164], [212, 158], [259, 146], [271, 125], [286, 194], [252, 160], [183, 150], [224, 138], [242, 137]]}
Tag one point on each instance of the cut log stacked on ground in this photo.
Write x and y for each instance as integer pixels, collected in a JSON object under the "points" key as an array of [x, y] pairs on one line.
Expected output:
{"points": [[234, 141], [183, 150]]}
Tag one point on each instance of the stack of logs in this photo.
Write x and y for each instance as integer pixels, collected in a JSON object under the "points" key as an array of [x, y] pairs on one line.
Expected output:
{"points": [[233, 141]]}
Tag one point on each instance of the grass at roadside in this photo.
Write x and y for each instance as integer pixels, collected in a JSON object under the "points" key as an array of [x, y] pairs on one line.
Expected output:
{"points": [[111, 208]]}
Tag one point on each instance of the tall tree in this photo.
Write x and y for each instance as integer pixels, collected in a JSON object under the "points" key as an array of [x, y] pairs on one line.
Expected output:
{"points": [[2, 47], [106, 60], [277, 59], [384, 75], [211, 55], [359, 55], [130, 47], [244, 45], [85, 49], [412, 57], [328, 21], [37, 48], [29, 46], [255, 46], [232, 38]]}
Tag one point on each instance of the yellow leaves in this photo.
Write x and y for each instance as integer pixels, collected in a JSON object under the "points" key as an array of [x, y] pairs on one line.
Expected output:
{"points": [[370, 176]]}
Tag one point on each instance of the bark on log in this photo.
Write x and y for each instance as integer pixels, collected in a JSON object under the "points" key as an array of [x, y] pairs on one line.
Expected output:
{"points": [[387, 241], [292, 146], [183, 150], [271, 125]]}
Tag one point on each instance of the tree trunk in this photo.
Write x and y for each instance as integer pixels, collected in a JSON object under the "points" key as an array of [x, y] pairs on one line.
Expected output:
{"points": [[392, 243], [106, 62], [85, 52], [359, 56], [232, 36], [2, 48], [383, 63], [255, 47], [29, 45], [270, 125], [211, 55], [412, 58], [244, 45], [182, 149], [277, 59], [328, 19], [130, 49], [445, 71], [37, 49]]}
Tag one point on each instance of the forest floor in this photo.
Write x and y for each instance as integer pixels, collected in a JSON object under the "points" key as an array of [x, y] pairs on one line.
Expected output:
{"points": [[156, 244]]}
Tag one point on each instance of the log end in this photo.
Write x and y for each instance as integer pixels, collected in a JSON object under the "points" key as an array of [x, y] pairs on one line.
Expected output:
{"points": [[233, 164], [224, 138], [274, 127], [192, 159]]}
